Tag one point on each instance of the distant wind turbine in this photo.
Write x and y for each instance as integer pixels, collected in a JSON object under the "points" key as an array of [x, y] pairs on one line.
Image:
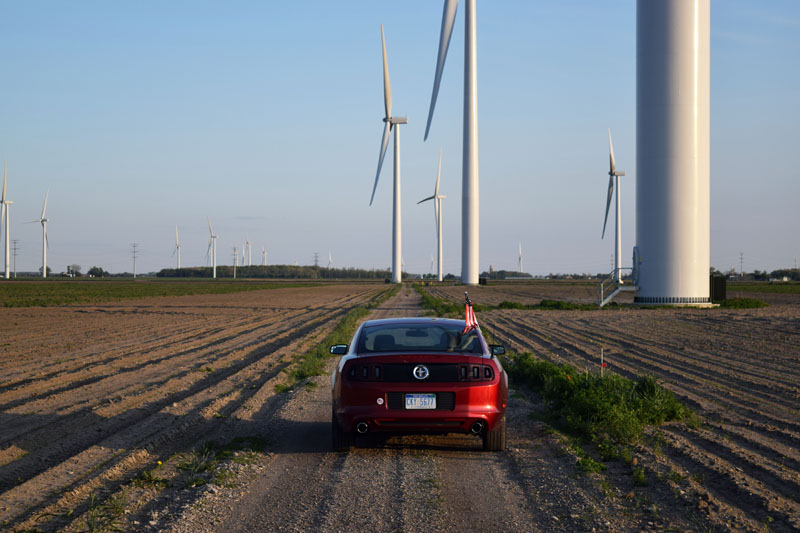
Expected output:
{"points": [[432, 261], [519, 264], [330, 260], [249, 251], [264, 255], [5, 218], [469, 190], [437, 213], [391, 122], [177, 247], [212, 249], [45, 244], [613, 183], [236, 260]]}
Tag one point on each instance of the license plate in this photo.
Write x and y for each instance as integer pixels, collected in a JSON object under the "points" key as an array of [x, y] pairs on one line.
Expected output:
{"points": [[420, 401]]}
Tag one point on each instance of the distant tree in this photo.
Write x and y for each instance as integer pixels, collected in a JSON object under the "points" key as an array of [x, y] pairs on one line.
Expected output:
{"points": [[49, 270], [97, 272], [74, 270]]}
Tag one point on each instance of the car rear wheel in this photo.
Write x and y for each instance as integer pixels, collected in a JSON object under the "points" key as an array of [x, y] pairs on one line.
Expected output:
{"points": [[495, 440], [341, 440]]}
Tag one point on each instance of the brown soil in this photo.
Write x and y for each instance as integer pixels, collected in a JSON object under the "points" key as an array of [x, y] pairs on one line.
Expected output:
{"points": [[91, 396]]}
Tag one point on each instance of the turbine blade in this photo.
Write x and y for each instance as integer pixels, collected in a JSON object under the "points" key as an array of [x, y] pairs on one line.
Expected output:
{"points": [[438, 174], [387, 85], [448, 20], [210, 230], [611, 153], [436, 214], [46, 240], [44, 207], [426, 199], [176, 236], [5, 175], [608, 202], [384, 146]]}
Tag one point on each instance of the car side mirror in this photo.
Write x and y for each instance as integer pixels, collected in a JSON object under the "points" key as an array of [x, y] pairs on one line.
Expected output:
{"points": [[339, 349], [497, 349]]}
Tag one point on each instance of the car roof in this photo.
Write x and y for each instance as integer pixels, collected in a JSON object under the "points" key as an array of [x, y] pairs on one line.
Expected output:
{"points": [[413, 320]]}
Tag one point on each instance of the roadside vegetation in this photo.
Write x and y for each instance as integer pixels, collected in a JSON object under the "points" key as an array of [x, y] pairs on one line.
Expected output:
{"points": [[49, 293]]}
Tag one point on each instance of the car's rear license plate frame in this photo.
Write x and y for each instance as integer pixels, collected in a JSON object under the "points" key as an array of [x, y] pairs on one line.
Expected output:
{"points": [[420, 401]]}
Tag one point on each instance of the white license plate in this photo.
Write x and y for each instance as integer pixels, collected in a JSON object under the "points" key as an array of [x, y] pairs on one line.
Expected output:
{"points": [[420, 401]]}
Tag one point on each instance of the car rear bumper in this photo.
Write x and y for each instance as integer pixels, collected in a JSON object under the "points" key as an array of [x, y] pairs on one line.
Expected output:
{"points": [[458, 409]]}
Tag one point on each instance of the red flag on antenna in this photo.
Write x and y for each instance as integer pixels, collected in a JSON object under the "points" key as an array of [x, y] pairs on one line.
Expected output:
{"points": [[470, 322]]}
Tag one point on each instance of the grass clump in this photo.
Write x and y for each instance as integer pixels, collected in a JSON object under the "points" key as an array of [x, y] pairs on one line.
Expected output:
{"points": [[605, 408], [742, 303], [639, 477]]}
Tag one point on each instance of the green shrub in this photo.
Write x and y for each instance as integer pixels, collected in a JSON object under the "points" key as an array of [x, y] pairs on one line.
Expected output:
{"points": [[742, 303]]}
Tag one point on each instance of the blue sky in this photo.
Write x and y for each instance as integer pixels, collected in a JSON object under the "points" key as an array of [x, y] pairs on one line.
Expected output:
{"points": [[266, 116]]}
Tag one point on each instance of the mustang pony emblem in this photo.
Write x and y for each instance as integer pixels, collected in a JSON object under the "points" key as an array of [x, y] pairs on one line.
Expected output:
{"points": [[421, 372]]}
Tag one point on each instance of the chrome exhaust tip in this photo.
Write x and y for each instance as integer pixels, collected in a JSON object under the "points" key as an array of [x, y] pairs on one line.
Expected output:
{"points": [[476, 428], [362, 427]]}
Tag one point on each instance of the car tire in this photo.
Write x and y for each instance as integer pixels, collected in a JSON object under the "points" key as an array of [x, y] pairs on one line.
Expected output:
{"points": [[495, 440], [341, 440]]}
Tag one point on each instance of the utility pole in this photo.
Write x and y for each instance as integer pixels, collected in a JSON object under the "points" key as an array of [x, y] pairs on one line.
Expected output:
{"points": [[316, 259], [741, 265], [134, 245], [16, 241]]}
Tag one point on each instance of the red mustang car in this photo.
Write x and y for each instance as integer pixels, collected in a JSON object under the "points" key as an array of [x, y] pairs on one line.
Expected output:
{"points": [[418, 375]]}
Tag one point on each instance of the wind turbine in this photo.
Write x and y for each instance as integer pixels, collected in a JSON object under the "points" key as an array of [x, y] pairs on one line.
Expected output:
{"points": [[177, 247], [249, 251], [469, 189], [264, 255], [519, 264], [437, 213], [613, 183], [236, 260], [212, 249], [45, 243], [330, 260], [390, 123], [431, 264], [5, 218]]}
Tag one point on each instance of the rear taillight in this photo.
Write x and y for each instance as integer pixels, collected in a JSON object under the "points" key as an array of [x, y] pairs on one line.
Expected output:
{"points": [[475, 373], [365, 373]]}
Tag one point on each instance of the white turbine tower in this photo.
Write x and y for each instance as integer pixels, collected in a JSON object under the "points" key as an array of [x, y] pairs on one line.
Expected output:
{"points": [[249, 251], [432, 263], [613, 184], [437, 213], [330, 260], [469, 193], [212, 249], [5, 218], [391, 122], [519, 263], [177, 247], [45, 244], [264, 255], [672, 254]]}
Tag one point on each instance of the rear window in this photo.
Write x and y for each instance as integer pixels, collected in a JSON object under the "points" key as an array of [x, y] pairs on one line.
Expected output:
{"points": [[418, 338]]}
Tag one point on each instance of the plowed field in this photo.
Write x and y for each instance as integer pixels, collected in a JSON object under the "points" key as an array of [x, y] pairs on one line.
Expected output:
{"points": [[91, 395], [740, 369]]}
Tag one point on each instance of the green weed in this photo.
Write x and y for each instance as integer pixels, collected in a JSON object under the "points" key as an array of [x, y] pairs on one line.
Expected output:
{"points": [[639, 478]]}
